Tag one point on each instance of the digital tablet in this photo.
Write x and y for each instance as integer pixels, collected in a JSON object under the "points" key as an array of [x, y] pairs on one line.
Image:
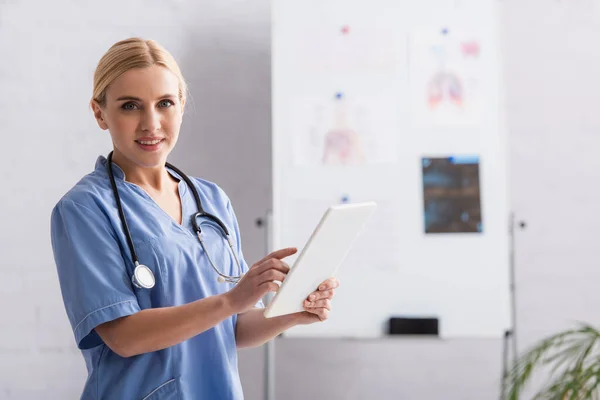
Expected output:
{"points": [[320, 259]]}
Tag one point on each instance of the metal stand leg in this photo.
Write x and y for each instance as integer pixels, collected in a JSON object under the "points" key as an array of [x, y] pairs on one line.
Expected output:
{"points": [[511, 335], [505, 366], [512, 285], [269, 371]]}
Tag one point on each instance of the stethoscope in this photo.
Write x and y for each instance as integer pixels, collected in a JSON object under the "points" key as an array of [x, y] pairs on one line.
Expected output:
{"points": [[142, 275]]}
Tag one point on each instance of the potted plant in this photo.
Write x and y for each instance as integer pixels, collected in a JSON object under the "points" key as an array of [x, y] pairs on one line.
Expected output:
{"points": [[573, 358]]}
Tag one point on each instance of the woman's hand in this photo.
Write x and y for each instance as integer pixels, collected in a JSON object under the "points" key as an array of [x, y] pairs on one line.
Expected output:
{"points": [[259, 280], [318, 303]]}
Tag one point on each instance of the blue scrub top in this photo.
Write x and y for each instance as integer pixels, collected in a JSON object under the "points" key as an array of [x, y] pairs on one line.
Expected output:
{"points": [[95, 267]]}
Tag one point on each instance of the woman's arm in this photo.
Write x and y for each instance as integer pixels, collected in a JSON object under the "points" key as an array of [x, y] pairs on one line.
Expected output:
{"points": [[158, 328], [253, 329]]}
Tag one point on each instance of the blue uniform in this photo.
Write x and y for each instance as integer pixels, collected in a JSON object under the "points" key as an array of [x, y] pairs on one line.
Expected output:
{"points": [[95, 267]]}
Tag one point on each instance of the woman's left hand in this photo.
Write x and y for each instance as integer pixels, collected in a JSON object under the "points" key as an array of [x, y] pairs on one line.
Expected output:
{"points": [[318, 303]]}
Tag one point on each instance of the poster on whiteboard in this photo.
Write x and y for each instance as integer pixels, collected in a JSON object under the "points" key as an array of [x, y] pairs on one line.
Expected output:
{"points": [[446, 78], [342, 129], [451, 194]]}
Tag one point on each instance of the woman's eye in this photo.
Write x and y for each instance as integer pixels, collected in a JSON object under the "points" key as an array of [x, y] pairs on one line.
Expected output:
{"points": [[166, 103], [129, 106]]}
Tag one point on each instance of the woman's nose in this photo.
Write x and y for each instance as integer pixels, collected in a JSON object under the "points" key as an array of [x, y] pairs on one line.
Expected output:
{"points": [[150, 121]]}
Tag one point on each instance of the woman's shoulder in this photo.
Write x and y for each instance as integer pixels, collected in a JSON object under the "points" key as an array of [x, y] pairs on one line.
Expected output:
{"points": [[90, 191]]}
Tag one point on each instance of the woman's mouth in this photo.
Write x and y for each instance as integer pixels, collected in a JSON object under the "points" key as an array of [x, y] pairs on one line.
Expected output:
{"points": [[149, 144]]}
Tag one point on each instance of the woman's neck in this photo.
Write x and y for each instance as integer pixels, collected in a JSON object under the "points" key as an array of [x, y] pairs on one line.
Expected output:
{"points": [[152, 179]]}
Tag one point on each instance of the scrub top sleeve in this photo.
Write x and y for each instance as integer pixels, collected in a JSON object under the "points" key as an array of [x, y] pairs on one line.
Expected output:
{"points": [[238, 244], [93, 279]]}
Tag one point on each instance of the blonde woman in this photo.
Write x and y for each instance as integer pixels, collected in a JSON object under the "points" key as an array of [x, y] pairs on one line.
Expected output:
{"points": [[150, 264]]}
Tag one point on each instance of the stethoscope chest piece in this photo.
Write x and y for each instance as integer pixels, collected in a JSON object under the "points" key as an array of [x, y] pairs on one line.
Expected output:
{"points": [[143, 277]]}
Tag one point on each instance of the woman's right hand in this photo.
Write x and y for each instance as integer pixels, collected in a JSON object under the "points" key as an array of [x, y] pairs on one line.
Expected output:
{"points": [[259, 280]]}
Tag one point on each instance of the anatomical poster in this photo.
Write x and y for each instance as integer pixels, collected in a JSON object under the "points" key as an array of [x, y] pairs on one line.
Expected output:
{"points": [[342, 130], [446, 78]]}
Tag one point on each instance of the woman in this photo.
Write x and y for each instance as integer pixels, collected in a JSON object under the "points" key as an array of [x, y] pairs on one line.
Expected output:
{"points": [[156, 313]]}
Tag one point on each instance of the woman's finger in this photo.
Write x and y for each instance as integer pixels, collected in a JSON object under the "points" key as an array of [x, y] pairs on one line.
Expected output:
{"points": [[318, 295], [330, 283], [277, 255], [324, 303], [269, 287], [271, 275], [270, 264]]}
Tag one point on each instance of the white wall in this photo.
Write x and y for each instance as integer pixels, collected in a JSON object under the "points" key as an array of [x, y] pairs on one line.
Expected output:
{"points": [[48, 52], [552, 96], [552, 66]]}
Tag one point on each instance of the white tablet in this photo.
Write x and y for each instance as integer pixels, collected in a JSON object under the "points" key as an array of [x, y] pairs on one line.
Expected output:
{"points": [[320, 259]]}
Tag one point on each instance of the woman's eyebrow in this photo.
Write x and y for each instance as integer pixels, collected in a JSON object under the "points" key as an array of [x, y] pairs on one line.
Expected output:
{"points": [[165, 96]]}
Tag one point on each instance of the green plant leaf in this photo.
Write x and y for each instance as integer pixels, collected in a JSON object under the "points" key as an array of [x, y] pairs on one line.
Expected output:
{"points": [[574, 363]]}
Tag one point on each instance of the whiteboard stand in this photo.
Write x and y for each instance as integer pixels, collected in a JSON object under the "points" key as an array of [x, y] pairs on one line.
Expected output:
{"points": [[512, 284], [270, 366], [269, 369], [505, 365], [510, 336]]}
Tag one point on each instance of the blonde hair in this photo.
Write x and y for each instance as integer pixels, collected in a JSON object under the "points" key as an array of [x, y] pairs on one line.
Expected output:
{"points": [[133, 53]]}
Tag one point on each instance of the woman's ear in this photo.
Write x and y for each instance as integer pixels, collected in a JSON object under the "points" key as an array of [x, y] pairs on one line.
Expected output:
{"points": [[99, 115]]}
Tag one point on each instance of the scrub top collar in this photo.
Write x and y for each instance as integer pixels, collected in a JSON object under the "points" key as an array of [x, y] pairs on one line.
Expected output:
{"points": [[119, 174]]}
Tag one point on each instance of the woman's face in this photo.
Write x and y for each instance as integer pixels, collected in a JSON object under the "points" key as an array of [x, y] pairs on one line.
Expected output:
{"points": [[143, 114]]}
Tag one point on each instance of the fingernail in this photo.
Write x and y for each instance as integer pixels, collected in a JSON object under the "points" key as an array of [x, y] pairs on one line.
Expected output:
{"points": [[312, 297], [322, 287]]}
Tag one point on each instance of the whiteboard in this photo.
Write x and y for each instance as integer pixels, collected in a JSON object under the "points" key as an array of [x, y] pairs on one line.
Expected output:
{"points": [[399, 103]]}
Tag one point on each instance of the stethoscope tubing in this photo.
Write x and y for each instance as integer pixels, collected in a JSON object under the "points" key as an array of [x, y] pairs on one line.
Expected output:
{"points": [[142, 269]]}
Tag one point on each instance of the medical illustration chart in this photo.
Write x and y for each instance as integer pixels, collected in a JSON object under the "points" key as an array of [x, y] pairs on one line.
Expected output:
{"points": [[341, 131], [446, 78], [451, 195], [340, 115]]}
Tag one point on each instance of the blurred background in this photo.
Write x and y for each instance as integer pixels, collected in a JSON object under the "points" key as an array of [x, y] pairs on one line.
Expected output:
{"points": [[473, 124]]}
